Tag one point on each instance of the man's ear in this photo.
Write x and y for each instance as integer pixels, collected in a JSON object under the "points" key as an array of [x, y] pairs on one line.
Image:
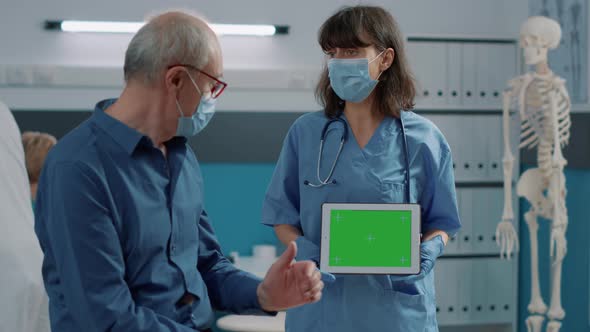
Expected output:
{"points": [[174, 78]]}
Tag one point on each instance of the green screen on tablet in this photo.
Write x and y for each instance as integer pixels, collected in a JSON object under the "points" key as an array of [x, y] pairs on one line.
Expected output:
{"points": [[370, 238]]}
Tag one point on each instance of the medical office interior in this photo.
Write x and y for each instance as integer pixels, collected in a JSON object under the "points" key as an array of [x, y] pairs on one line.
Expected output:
{"points": [[462, 52]]}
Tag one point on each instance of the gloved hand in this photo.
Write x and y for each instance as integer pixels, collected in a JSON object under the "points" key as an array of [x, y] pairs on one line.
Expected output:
{"points": [[307, 250], [429, 252]]}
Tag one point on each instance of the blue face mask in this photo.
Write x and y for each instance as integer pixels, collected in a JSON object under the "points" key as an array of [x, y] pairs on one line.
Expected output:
{"points": [[350, 78], [191, 125]]}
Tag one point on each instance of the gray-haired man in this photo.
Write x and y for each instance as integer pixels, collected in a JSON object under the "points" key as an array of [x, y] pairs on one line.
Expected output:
{"points": [[119, 213]]}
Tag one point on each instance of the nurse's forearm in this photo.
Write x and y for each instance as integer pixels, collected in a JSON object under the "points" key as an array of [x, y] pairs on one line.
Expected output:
{"points": [[430, 235], [287, 233]]}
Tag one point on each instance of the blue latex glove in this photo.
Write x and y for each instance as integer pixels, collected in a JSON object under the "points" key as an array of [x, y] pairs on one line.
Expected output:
{"points": [[429, 252], [307, 250]]}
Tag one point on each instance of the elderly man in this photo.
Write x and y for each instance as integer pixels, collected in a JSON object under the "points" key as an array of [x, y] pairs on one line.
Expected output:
{"points": [[120, 218], [23, 302]]}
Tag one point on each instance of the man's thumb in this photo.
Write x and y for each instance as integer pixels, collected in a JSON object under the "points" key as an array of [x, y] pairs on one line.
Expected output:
{"points": [[287, 257]]}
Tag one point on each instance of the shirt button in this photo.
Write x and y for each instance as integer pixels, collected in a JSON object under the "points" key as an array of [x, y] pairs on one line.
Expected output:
{"points": [[173, 248]]}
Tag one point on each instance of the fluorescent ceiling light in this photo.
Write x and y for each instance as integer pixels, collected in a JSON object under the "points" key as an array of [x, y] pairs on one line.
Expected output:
{"points": [[101, 26], [132, 27], [244, 30]]}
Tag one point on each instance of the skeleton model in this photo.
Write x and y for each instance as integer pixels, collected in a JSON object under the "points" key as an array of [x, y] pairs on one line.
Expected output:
{"points": [[544, 107]]}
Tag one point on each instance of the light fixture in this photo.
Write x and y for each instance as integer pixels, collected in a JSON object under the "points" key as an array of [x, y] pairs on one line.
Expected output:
{"points": [[132, 27]]}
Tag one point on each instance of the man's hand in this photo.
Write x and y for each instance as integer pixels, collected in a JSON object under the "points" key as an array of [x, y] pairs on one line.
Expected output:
{"points": [[307, 250], [290, 284]]}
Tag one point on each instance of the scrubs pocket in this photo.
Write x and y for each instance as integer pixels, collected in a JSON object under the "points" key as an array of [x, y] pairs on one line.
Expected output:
{"points": [[393, 192], [411, 310], [414, 303]]}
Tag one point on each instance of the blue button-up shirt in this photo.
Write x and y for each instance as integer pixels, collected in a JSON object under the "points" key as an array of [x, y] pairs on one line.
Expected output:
{"points": [[125, 235]]}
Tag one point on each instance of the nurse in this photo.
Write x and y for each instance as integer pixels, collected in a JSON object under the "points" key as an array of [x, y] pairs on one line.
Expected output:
{"points": [[390, 155]]}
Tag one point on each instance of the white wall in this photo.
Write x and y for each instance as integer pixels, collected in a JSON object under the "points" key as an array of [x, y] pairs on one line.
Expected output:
{"points": [[24, 42]]}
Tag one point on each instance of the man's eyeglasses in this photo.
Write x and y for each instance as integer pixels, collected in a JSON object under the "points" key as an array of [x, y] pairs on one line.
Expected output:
{"points": [[218, 86]]}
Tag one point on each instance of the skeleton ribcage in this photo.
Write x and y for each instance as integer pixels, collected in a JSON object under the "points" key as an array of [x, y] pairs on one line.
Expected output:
{"points": [[537, 121]]}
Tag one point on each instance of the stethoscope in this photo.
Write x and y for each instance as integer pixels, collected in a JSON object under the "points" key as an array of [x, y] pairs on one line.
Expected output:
{"points": [[328, 180]]}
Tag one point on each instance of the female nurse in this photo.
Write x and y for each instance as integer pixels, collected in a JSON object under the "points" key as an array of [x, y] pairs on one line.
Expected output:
{"points": [[391, 155]]}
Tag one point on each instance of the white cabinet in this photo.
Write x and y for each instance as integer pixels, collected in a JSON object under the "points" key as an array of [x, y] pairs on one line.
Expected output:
{"points": [[468, 74], [475, 291], [429, 65]]}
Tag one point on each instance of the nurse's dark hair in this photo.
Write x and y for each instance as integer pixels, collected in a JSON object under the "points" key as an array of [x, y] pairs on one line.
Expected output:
{"points": [[363, 26]]}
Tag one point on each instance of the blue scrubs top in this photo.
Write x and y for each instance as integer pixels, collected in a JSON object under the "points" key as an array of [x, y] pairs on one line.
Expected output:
{"points": [[374, 174]]}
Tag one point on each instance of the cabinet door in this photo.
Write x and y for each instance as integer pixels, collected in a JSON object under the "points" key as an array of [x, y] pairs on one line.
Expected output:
{"points": [[495, 143], [479, 147], [447, 282], [466, 213], [469, 73], [503, 58], [429, 64], [485, 67], [455, 71], [479, 291], [500, 290], [465, 271]]}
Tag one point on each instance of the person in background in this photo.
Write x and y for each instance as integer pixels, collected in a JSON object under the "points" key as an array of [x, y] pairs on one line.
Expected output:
{"points": [[36, 146], [23, 301]]}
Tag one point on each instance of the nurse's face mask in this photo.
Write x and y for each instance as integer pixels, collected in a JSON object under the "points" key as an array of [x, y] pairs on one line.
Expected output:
{"points": [[350, 78], [191, 125]]}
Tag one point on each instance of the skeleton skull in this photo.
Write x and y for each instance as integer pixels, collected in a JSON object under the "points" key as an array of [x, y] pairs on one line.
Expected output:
{"points": [[538, 34]]}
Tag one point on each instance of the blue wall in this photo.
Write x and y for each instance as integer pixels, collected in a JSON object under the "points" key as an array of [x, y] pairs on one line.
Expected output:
{"points": [[576, 266], [233, 200]]}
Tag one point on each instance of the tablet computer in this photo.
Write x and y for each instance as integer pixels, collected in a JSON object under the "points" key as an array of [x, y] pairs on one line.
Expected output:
{"points": [[370, 238]]}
